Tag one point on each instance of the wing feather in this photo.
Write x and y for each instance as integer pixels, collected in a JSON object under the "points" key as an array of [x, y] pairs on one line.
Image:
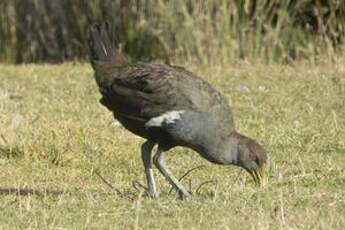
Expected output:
{"points": [[149, 90]]}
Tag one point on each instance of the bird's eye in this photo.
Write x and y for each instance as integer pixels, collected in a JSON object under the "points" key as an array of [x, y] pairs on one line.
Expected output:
{"points": [[254, 158]]}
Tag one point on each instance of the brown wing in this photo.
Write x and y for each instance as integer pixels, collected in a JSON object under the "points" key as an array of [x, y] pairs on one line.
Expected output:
{"points": [[135, 94], [149, 90]]}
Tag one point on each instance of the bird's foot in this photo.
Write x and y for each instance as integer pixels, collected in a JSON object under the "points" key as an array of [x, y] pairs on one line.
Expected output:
{"points": [[153, 194], [184, 195]]}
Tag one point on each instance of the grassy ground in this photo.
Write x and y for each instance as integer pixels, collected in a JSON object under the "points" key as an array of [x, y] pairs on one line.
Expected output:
{"points": [[55, 141]]}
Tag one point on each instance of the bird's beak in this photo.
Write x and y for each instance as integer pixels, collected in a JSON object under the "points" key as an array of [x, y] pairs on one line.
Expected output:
{"points": [[260, 176]]}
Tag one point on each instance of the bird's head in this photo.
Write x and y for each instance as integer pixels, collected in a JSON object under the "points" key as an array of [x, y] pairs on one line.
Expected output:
{"points": [[253, 158]]}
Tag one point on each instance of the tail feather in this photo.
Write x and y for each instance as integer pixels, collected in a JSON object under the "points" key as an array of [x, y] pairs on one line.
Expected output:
{"points": [[100, 46]]}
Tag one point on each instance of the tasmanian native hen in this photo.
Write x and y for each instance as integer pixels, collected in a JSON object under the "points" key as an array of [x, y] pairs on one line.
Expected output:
{"points": [[170, 106]]}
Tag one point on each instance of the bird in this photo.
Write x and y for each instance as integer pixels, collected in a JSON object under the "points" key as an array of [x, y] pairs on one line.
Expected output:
{"points": [[170, 106]]}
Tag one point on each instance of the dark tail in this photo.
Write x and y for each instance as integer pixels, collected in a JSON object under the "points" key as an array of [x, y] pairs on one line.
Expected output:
{"points": [[100, 45]]}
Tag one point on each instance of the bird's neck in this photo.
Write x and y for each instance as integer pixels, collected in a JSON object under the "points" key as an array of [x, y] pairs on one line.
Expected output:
{"points": [[223, 152]]}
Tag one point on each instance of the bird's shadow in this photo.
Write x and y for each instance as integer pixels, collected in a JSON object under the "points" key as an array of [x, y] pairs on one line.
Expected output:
{"points": [[139, 189], [29, 192], [128, 195]]}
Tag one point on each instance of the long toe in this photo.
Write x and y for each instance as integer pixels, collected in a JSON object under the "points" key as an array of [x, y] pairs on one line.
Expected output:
{"points": [[153, 195], [184, 195]]}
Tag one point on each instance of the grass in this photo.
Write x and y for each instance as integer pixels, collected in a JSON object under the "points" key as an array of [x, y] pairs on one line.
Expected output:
{"points": [[206, 31], [55, 139]]}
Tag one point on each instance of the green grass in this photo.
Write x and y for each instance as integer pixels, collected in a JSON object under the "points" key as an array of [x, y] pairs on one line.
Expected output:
{"points": [[55, 137]]}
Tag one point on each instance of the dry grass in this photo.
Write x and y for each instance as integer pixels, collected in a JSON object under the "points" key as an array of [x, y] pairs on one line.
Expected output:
{"points": [[208, 31], [54, 137]]}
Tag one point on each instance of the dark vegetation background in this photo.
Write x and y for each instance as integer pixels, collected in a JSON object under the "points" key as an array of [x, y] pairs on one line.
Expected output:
{"points": [[205, 31]]}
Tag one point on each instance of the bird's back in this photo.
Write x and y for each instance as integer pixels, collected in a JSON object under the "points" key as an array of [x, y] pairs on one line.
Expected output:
{"points": [[138, 93]]}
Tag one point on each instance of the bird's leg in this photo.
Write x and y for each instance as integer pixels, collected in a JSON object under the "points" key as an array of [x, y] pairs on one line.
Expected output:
{"points": [[146, 150], [159, 161]]}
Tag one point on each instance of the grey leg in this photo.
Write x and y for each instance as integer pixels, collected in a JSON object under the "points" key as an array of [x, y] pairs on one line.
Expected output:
{"points": [[160, 163], [146, 150]]}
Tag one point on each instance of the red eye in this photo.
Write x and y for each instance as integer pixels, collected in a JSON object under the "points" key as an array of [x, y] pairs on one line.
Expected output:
{"points": [[253, 157]]}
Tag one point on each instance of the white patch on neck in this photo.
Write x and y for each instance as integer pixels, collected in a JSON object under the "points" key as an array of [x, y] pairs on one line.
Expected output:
{"points": [[166, 118]]}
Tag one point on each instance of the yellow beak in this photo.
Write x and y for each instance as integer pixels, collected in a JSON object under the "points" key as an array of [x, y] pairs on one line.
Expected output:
{"points": [[260, 177]]}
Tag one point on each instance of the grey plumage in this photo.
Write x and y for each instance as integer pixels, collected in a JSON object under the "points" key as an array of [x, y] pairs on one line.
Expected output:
{"points": [[170, 106]]}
